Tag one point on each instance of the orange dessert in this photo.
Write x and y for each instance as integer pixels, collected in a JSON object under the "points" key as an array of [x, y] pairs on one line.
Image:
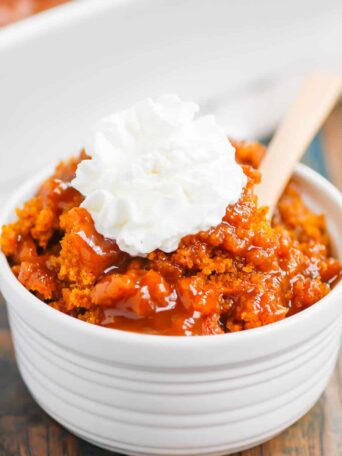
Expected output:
{"points": [[243, 273]]}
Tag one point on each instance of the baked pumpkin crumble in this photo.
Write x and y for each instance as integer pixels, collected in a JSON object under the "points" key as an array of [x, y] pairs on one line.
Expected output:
{"points": [[243, 273]]}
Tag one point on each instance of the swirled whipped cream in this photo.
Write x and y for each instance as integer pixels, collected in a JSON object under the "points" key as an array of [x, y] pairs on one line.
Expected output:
{"points": [[158, 173]]}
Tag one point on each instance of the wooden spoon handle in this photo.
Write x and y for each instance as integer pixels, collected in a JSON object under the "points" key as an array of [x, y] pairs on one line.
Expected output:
{"points": [[316, 99]]}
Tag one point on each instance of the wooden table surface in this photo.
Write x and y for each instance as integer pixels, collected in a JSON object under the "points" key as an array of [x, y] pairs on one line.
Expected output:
{"points": [[25, 430]]}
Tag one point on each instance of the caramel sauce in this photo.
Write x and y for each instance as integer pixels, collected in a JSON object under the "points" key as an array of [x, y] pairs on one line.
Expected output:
{"points": [[144, 302], [59, 195], [95, 252]]}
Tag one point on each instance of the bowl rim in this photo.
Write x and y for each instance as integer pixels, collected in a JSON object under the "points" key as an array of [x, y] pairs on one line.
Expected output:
{"points": [[6, 276]]}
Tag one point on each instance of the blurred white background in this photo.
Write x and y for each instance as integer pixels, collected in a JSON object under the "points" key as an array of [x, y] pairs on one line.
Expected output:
{"points": [[242, 60]]}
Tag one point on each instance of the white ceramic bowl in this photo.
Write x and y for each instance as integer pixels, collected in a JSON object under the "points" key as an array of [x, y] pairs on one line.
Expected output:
{"points": [[157, 395]]}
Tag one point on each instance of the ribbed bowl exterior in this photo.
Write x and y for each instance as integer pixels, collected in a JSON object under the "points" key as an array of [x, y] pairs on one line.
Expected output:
{"points": [[154, 395], [181, 411]]}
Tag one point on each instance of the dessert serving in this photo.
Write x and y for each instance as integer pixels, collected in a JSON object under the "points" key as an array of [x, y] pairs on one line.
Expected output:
{"points": [[155, 228]]}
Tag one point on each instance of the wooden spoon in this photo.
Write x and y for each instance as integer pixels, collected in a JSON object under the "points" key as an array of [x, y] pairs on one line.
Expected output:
{"points": [[316, 99]]}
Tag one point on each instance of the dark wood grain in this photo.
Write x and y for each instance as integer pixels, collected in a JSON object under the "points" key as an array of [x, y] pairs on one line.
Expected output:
{"points": [[25, 430]]}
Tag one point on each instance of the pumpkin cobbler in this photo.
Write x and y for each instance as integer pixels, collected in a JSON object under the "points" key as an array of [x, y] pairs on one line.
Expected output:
{"points": [[244, 273]]}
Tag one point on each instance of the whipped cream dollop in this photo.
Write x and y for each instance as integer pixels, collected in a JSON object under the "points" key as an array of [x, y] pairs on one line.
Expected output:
{"points": [[158, 173]]}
